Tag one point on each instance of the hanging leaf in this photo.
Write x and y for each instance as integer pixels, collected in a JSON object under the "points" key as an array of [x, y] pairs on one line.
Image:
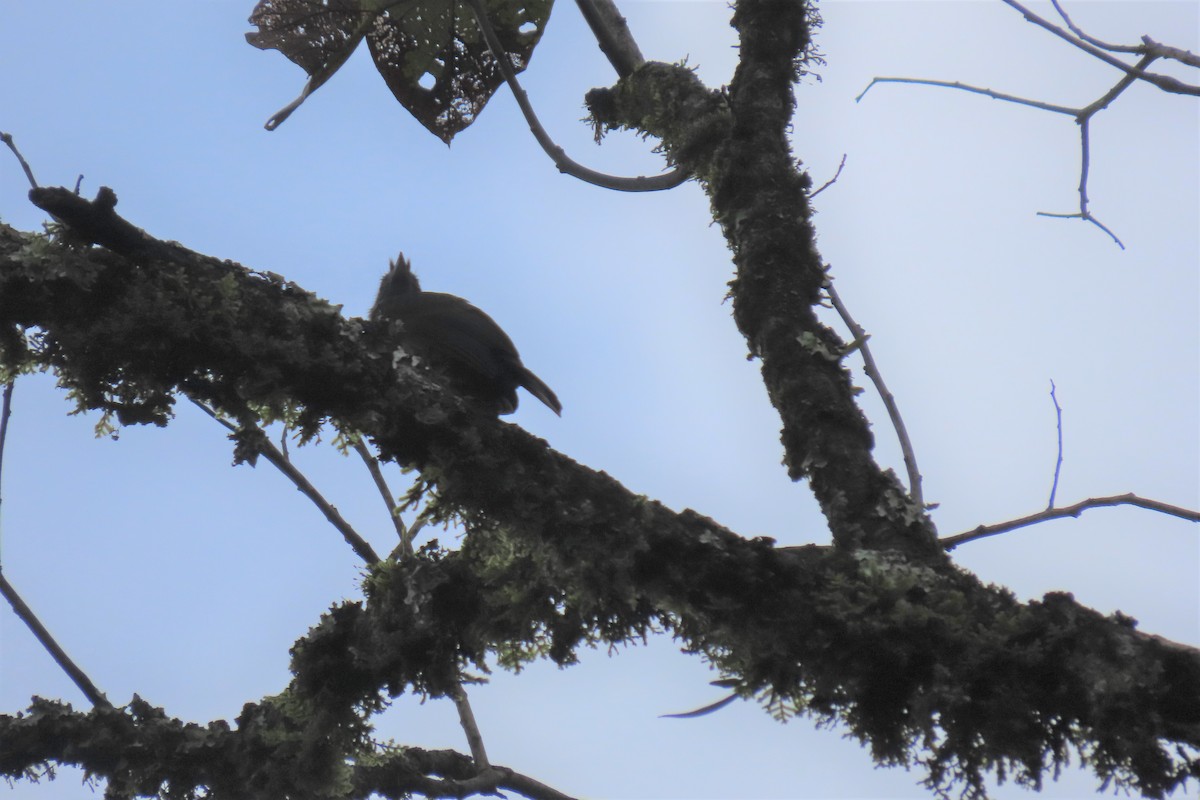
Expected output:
{"points": [[431, 53]]}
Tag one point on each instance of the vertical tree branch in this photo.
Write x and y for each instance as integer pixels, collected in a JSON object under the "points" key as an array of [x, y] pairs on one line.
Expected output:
{"points": [[1058, 463], [466, 718]]}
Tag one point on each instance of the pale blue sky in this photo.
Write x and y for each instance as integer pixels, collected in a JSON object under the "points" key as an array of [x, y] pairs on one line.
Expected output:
{"points": [[165, 572]]}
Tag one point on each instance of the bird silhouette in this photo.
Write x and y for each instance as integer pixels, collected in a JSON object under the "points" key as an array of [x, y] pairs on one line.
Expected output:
{"points": [[476, 356]]}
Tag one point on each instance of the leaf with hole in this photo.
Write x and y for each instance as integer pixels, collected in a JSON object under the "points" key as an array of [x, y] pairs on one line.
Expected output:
{"points": [[431, 53]]}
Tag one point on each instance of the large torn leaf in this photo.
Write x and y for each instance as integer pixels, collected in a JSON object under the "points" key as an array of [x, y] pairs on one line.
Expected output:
{"points": [[431, 53]]}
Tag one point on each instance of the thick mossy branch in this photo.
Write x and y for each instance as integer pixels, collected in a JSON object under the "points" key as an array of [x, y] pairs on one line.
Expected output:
{"points": [[736, 143], [141, 752], [276, 751], [907, 652]]}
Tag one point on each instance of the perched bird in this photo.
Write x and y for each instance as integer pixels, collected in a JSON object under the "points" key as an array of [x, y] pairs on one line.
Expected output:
{"points": [[455, 337]]}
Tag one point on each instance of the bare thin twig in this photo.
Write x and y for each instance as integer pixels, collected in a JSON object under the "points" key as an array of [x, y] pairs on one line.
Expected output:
{"points": [[1010, 98], [1112, 48], [77, 675], [1084, 213], [889, 401], [8, 140], [1082, 117], [1149, 51], [389, 499], [269, 451], [9, 592], [983, 531], [1057, 464], [1120, 86], [561, 160], [832, 180], [1164, 82]]}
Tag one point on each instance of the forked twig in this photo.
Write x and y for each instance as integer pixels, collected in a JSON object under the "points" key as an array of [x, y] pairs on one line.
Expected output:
{"points": [[1149, 51], [269, 451], [1082, 117], [1164, 82], [983, 531]]}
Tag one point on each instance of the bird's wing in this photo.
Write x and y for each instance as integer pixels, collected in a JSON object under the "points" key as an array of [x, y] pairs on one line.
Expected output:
{"points": [[458, 330]]}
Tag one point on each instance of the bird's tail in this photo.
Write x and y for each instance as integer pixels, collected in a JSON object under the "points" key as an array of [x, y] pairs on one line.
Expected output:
{"points": [[540, 390]]}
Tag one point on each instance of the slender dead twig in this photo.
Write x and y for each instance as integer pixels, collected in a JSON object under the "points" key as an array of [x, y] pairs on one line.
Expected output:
{"points": [[77, 675], [1149, 51], [1130, 499], [1057, 464], [9, 592], [1112, 48], [561, 160], [889, 401], [1084, 213], [269, 451], [1164, 82], [1082, 117], [8, 140], [372, 463], [966, 87], [832, 180]]}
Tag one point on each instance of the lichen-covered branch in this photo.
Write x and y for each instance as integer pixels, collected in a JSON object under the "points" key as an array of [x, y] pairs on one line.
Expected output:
{"points": [[273, 753], [736, 143], [916, 658]]}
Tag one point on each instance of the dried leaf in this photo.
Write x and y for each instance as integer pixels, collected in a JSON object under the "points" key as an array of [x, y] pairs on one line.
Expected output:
{"points": [[431, 53]]}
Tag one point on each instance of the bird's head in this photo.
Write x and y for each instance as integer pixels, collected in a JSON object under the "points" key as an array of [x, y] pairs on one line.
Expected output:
{"points": [[399, 283]]}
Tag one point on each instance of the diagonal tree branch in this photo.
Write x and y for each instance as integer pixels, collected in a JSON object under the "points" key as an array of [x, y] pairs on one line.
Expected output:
{"points": [[1165, 82], [9, 592], [983, 531], [263, 446], [47, 640]]}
